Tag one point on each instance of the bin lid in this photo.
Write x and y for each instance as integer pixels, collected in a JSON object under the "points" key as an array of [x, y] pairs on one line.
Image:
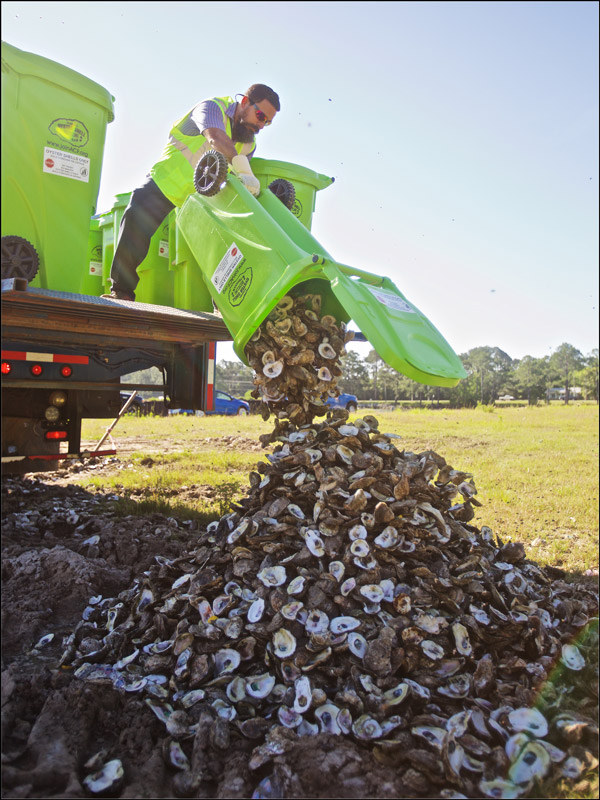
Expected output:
{"points": [[25, 63], [402, 336], [291, 172]]}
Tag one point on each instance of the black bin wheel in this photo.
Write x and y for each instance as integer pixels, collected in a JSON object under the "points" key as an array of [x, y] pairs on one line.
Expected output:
{"points": [[19, 258], [210, 173], [284, 190]]}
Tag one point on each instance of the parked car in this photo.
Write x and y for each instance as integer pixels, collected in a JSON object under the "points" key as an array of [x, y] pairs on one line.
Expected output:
{"points": [[224, 404], [227, 404], [344, 400]]}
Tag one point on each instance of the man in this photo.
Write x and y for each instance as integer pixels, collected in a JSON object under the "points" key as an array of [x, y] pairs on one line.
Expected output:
{"points": [[218, 124]]}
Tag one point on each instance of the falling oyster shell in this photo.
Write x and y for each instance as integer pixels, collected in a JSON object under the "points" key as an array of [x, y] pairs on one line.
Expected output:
{"points": [[260, 686], [571, 657], [284, 643], [326, 716], [273, 368], [303, 694], [326, 351], [324, 374], [530, 720], [272, 576], [357, 644], [106, 779], [344, 624]]}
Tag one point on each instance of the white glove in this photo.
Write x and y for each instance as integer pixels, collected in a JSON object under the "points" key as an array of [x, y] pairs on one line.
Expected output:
{"points": [[241, 167]]}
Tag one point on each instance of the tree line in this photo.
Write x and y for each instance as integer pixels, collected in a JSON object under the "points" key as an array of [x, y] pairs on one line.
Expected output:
{"points": [[491, 374]]}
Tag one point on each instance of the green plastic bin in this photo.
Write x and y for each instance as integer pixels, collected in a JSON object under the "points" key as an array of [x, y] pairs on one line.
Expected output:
{"points": [[155, 278], [253, 251], [53, 131], [156, 283], [91, 279], [306, 183]]}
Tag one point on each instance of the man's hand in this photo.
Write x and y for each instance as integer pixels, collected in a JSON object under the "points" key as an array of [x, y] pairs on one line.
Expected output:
{"points": [[241, 167]]}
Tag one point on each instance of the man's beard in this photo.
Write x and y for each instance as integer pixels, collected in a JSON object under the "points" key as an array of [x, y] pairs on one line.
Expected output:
{"points": [[240, 132]]}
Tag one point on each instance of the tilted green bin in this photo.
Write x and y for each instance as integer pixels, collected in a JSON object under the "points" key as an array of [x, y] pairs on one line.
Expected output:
{"points": [[306, 183], [53, 131], [253, 251]]}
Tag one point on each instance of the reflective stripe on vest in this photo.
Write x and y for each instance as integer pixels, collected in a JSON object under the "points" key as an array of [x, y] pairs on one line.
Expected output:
{"points": [[174, 173]]}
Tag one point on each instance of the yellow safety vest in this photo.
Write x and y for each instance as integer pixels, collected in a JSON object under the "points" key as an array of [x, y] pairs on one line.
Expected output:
{"points": [[174, 173]]}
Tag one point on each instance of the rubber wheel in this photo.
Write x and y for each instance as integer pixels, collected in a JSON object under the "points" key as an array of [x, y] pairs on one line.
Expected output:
{"points": [[284, 190], [19, 258], [210, 173], [351, 407], [241, 412]]}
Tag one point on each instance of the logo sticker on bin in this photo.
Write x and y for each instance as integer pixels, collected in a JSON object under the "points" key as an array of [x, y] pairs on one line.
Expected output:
{"points": [[226, 266], [68, 165], [391, 300]]}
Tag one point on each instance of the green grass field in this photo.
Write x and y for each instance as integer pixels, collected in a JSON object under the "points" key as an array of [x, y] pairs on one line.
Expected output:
{"points": [[535, 468]]}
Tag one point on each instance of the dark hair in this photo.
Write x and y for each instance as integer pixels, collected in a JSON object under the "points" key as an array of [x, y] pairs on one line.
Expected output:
{"points": [[258, 92]]}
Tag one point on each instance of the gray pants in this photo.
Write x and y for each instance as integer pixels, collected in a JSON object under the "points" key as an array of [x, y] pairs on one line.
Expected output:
{"points": [[147, 209]]}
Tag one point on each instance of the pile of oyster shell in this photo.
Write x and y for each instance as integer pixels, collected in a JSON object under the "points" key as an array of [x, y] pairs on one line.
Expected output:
{"points": [[348, 593]]}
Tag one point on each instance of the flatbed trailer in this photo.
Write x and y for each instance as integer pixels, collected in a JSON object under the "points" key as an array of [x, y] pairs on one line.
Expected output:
{"points": [[63, 356]]}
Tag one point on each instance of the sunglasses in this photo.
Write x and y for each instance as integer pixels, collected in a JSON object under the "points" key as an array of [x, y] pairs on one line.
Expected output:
{"points": [[261, 116]]}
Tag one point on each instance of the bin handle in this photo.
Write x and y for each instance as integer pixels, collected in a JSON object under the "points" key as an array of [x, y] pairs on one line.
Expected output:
{"points": [[367, 277]]}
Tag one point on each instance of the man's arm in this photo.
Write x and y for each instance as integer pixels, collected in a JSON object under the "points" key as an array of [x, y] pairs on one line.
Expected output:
{"points": [[219, 140]]}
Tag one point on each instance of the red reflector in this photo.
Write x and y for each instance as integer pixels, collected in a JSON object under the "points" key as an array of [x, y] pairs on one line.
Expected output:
{"points": [[66, 372], [36, 369], [56, 435], [6, 368]]}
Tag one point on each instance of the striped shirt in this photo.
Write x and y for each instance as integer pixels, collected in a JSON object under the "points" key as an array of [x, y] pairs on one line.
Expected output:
{"points": [[207, 114]]}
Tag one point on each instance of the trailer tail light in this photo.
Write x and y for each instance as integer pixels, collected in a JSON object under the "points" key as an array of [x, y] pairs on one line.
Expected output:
{"points": [[36, 369], [66, 371], [56, 435], [6, 368]]}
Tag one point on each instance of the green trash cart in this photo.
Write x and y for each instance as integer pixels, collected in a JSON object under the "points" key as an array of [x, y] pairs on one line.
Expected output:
{"points": [[253, 251], [54, 126]]}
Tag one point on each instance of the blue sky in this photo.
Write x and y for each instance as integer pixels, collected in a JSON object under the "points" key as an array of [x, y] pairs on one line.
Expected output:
{"points": [[463, 137]]}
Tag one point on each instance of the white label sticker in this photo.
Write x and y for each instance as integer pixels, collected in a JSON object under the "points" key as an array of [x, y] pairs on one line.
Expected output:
{"points": [[68, 165], [163, 248], [95, 268], [391, 300], [226, 266]]}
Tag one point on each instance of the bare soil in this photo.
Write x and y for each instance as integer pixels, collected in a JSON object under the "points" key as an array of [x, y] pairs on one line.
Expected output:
{"points": [[60, 547]]}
